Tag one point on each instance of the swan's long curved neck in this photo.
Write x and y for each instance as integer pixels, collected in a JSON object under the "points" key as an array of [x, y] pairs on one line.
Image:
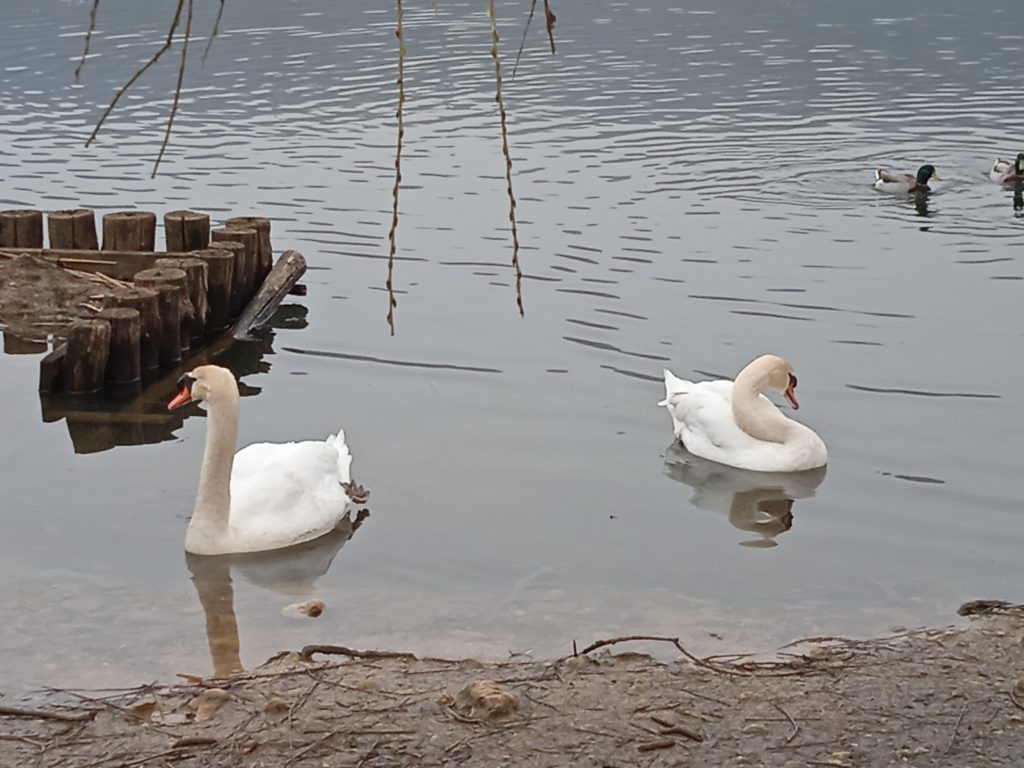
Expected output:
{"points": [[756, 417], [213, 500]]}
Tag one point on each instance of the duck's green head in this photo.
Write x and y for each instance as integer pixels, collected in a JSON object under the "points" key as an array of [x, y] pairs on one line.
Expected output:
{"points": [[924, 173]]}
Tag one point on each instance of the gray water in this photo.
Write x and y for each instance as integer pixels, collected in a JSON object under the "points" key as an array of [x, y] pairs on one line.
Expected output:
{"points": [[694, 189]]}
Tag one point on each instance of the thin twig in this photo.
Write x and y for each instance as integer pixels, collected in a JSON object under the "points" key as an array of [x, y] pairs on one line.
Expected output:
{"points": [[306, 654], [550, 19], [7, 710], [153, 60], [88, 38], [216, 30], [522, 43], [952, 739], [392, 301], [796, 728], [177, 91]]}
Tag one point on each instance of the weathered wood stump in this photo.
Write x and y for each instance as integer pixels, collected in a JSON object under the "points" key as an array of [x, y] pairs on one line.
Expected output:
{"points": [[282, 277], [124, 363], [195, 283], [21, 229], [186, 230], [51, 370], [145, 301], [172, 299], [239, 262], [220, 271], [85, 363], [73, 229], [264, 250], [19, 345], [129, 231], [249, 238]]}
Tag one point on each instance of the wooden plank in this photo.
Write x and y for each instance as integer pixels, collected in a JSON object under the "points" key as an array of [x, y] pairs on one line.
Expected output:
{"points": [[288, 269]]}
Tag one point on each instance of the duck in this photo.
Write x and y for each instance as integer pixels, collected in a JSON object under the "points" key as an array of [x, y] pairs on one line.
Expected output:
{"points": [[732, 423], [1005, 172], [905, 183], [268, 495]]}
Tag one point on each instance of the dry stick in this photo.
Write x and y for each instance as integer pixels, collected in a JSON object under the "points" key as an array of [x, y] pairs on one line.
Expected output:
{"points": [[952, 739], [549, 20], [306, 654], [508, 158], [153, 60], [216, 30], [522, 43], [45, 714], [660, 639], [177, 91], [88, 37], [651, 746], [392, 301], [1017, 702], [796, 728]]}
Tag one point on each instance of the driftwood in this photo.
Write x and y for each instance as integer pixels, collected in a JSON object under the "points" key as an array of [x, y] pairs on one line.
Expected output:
{"points": [[289, 268]]}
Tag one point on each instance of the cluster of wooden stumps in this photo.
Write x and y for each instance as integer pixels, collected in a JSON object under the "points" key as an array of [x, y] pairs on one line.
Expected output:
{"points": [[157, 307]]}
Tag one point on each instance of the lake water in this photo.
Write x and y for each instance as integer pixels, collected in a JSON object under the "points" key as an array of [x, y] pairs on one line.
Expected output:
{"points": [[694, 189]]}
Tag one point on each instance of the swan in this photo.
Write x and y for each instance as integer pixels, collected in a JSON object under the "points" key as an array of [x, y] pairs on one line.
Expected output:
{"points": [[1007, 172], [732, 423], [268, 495], [905, 183]]}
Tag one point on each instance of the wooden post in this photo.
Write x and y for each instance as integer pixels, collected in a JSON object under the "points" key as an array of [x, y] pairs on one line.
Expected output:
{"points": [[51, 370], [124, 364], [282, 277], [73, 229], [220, 270], [146, 302], [264, 250], [249, 239], [238, 260], [21, 229], [186, 230], [85, 362], [170, 287], [195, 282], [129, 231], [19, 345]]}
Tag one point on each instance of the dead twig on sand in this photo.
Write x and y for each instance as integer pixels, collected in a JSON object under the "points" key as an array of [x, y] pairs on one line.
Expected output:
{"points": [[651, 746], [45, 714], [796, 728], [306, 654], [952, 739], [661, 639]]}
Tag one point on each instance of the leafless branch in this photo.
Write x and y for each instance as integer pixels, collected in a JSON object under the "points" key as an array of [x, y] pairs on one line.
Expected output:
{"points": [[88, 37], [177, 90]]}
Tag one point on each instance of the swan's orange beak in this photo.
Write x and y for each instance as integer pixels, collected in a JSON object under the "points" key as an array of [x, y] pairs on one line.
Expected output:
{"points": [[790, 395], [180, 399]]}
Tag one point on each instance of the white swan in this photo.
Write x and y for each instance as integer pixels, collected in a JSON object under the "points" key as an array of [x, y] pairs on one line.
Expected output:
{"points": [[268, 495], [734, 424]]}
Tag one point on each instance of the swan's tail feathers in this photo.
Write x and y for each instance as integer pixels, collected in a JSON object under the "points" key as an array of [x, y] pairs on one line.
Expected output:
{"points": [[674, 386], [344, 455]]}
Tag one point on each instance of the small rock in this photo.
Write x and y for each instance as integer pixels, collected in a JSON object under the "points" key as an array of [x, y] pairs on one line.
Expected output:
{"points": [[143, 710], [485, 699], [208, 702], [1018, 687], [310, 608], [175, 718], [276, 707]]}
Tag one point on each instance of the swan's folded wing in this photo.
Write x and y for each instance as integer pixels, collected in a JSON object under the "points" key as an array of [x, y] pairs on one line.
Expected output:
{"points": [[706, 424]]}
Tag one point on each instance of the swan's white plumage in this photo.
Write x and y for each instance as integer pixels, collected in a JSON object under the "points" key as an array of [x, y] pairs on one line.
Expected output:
{"points": [[703, 420]]}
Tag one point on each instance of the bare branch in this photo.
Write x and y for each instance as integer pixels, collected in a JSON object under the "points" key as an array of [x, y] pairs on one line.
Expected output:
{"points": [[177, 90], [522, 43], [392, 301], [216, 30], [88, 37]]}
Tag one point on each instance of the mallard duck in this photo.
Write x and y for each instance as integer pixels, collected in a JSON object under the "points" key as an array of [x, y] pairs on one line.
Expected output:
{"points": [[1005, 172], [904, 183], [268, 495], [732, 423]]}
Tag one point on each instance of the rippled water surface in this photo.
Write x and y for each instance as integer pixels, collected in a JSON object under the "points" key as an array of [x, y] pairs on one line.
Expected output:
{"points": [[694, 189]]}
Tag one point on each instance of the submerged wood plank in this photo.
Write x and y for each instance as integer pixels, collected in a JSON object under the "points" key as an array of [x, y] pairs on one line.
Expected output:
{"points": [[289, 268]]}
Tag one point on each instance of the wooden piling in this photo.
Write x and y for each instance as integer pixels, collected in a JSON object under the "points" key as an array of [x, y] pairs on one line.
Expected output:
{"points": [[186, 230], [146, 302], [124, 363], [73, 229], [195, 282], [171, 297], [85, 362], [264, 250], [220, 270], [19, 345], [129, 231], [238, 282], [249, 238], [21, 229]]}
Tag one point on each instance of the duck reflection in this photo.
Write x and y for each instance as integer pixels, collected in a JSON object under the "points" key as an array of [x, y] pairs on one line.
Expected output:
{"points": [[757, 502], [101, 422], [291, 572]]}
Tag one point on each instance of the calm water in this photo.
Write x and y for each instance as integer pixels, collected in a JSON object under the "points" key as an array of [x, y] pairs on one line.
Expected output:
{"points": [[694, 190]]}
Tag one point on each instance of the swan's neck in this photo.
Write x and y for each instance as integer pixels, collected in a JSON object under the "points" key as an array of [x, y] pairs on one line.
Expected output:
{"points": [[757, 416], [213, 500]]}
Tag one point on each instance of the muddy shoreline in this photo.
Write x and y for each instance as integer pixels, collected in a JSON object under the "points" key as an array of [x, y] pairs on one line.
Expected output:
{"points": [[930, 697]]}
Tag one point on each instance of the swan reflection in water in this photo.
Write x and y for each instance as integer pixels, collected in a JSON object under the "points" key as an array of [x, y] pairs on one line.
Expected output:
{"points": [[757, 502], [291, 572]]}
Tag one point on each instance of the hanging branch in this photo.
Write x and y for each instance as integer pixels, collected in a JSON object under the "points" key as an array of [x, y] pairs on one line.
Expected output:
{"points": [[153, 60], [177, 91], [216, 30], [522, 43], [550, 19], [508, 157], [392, 301], [88, 37]]}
